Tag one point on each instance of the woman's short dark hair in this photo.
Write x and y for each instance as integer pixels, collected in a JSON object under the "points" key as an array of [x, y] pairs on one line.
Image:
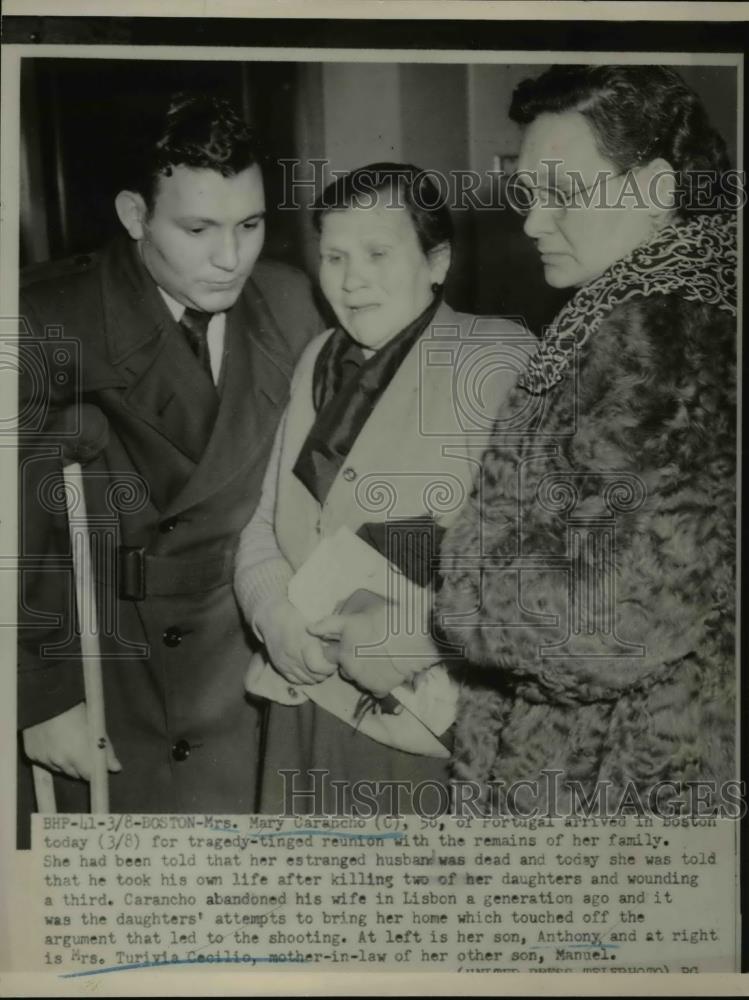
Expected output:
{"points": [[637, 113], [408, 186], [192, 130]]}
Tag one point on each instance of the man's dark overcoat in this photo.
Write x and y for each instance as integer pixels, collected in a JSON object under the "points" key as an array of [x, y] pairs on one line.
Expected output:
{"points": [[177, 479]]}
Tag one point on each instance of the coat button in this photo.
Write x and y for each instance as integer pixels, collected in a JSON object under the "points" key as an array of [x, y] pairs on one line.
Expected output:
{"points": [[169, 525], [349, 474], [181, 750], [172, 636]]}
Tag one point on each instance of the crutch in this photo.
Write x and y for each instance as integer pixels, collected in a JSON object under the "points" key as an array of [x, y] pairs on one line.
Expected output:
{"points": [[76, 452]]}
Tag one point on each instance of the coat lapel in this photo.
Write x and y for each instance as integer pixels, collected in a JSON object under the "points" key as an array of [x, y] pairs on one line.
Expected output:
{"points": [[254, 389], [163, 385], [400, 429], [424, 424]]}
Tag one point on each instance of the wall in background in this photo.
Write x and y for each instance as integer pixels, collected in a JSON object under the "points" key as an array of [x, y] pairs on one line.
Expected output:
{"points": [[79, 116]]}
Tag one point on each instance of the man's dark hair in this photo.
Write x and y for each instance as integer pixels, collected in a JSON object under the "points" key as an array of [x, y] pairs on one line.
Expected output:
{"points": [[637, 113], [192, 130], [407, 186]]}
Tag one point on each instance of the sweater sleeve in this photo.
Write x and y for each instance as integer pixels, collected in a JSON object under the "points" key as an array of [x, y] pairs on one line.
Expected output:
{"points": [[261, 571], [588, 566]]}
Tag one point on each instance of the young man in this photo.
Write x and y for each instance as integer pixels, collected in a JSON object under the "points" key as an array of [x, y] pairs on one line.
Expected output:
{"points": [[182, 346]]}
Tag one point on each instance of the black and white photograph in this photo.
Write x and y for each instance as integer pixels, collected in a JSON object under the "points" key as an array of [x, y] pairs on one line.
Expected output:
{"points": [[370, 500]]}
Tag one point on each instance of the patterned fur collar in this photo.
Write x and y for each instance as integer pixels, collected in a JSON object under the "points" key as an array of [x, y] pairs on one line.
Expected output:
{"points": [[696, 260]]}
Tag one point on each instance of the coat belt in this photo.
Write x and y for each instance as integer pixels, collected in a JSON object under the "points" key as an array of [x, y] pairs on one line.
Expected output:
{"points": [[141, 575]]}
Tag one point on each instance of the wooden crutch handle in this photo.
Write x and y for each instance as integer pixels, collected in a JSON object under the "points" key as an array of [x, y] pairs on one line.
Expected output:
{"points": [[83, 434], [88, 628]]}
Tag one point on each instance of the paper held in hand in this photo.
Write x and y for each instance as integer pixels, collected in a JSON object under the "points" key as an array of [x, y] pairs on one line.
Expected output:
{"points": [[343, 572]]}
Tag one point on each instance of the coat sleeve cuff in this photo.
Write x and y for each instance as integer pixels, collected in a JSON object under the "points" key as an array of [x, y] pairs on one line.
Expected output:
{"points": [[44, 692]]}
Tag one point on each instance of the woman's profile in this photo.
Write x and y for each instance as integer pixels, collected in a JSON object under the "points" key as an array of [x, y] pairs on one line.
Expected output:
{"points": [[600, 622]]}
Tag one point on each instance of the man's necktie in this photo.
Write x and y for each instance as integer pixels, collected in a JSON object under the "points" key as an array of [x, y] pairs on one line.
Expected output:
{"points": [[194, 322]]}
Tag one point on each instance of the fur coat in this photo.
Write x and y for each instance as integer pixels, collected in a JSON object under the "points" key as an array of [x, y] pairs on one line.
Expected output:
{"points": [[590, 580]]}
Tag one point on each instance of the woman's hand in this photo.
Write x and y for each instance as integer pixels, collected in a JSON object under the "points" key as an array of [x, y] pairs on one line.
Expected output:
{"points": [[368, 656], [293, 651]]}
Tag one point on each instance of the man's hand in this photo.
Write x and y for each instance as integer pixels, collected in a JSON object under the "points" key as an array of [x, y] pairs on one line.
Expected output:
{"points": [[296, 655], [61, 744], [371, 658]]}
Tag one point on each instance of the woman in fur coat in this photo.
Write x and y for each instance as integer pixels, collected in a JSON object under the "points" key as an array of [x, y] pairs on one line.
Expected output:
{"points": [[591, 578]]}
